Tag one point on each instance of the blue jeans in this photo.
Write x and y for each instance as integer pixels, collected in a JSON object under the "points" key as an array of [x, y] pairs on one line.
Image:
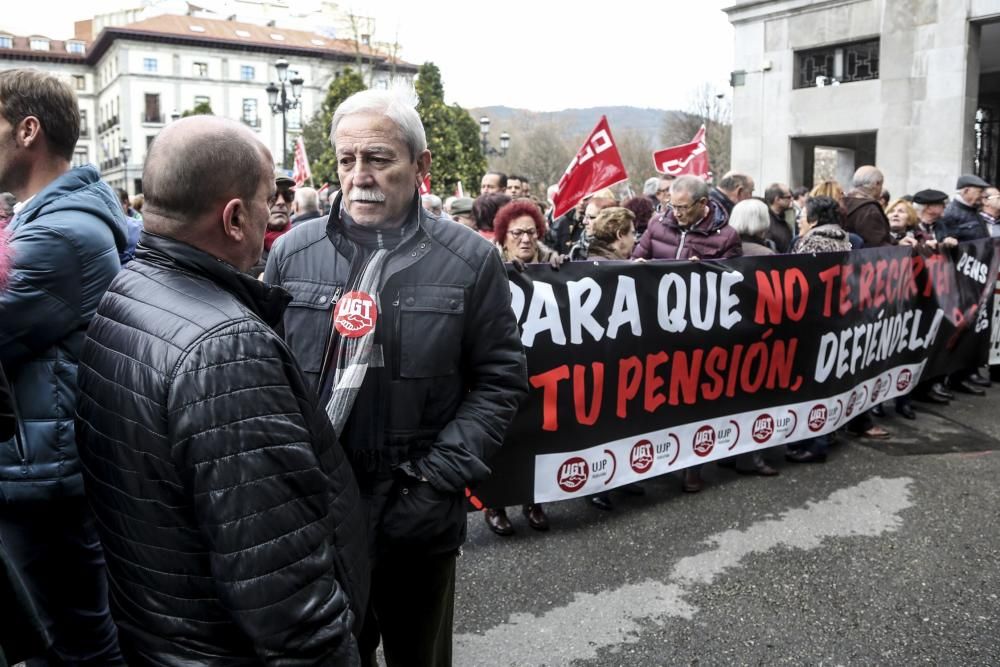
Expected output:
{"points": [[56, 550]]}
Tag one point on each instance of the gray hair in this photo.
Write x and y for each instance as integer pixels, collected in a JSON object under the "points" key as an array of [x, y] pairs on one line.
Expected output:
{"points": [[306, 199], [750, 218], [651, 185], [867, 176], [734, 180], [430, 201], [398, 103], [694, 186]]}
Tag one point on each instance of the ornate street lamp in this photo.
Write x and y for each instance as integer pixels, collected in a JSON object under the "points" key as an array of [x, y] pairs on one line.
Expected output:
{"points": [[282, 98], [484, 130]]}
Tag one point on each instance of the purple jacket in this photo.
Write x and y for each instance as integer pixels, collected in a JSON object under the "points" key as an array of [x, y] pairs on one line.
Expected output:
{"points": [[711, 238]]}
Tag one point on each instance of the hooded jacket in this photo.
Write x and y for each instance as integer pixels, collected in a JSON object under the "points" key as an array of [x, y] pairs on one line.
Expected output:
{"points": [[866, 218], [709, 238], [66, 244]]}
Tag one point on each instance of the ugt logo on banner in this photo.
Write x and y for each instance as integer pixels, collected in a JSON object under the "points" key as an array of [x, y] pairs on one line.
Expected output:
{"points": [[597, 165]]}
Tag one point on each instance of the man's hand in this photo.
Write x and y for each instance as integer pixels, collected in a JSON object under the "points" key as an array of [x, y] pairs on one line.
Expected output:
{"points": [[949, 242]]}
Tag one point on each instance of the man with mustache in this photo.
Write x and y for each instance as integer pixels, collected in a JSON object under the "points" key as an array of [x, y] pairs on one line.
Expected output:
{"points": [[403, 327]]}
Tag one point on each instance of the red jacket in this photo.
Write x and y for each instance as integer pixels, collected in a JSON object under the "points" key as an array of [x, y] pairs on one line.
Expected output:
{"points": [[710, 238]]}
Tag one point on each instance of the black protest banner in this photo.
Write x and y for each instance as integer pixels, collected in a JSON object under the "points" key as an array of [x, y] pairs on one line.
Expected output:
{"points": [[637, 370]]}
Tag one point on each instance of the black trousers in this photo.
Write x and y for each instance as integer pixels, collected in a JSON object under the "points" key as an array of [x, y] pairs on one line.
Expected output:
{"points": [[411, 610], [55, 548]]}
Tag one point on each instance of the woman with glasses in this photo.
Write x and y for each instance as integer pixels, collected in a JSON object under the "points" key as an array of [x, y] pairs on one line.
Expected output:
{"points": [[518, 228]]}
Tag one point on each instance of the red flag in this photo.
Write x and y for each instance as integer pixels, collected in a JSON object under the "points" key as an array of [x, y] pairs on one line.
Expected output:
{"points": [[425, 185], [690, 158], [301, 173], [597, 165]]}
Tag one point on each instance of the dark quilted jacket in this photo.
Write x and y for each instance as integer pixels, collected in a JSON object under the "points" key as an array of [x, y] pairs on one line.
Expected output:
{"points": [[230, 519], [962, 222], [710, 238], [65, 245]]}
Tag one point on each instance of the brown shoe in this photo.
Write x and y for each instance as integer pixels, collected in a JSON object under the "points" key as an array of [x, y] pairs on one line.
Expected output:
{"points": [[536, 517], [498, 522], [692, 480]]}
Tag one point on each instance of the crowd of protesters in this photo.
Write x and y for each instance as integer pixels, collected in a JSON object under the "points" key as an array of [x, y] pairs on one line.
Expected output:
{"points": [[686, 218], [237, 429]]}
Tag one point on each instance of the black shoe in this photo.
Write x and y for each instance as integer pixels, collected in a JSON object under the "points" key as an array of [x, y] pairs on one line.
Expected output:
{"points": [[939, 389], [878, 411], [979, 380], [931, 397], [805, 456], [602, 501], [906, 411], [692, 480], [966, 388], [498, 522], [536, 517]]}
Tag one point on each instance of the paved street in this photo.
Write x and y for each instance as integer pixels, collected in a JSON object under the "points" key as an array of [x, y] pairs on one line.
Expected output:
{"points": [[885, 555]]}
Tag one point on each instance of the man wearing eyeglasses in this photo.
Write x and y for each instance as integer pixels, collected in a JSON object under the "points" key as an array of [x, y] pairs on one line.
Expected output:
{"points": [[990, 212], [663, 191], [279, 222]]}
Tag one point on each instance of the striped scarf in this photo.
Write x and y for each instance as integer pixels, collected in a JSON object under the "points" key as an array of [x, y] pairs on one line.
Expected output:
{"points": [[354, 355]]}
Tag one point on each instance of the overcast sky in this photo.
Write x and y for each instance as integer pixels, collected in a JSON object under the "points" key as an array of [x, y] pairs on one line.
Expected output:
{"points": [[543, 55]]}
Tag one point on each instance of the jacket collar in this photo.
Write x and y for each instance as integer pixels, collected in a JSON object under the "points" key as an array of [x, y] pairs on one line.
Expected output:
{"points": [[268, 302]]}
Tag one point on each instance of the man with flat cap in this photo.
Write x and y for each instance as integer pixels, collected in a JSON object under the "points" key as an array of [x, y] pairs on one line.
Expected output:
{"points": [[229, 515], [461, 212], [930, 206], [961, 217]]}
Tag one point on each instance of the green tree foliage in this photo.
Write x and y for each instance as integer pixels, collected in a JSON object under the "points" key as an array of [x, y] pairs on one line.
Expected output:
{"points": [[200, 109], [452, 137], [316, 133]]}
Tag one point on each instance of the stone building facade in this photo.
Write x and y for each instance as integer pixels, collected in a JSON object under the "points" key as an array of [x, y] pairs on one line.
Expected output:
{"points": [[910, 85], [133, 78]]}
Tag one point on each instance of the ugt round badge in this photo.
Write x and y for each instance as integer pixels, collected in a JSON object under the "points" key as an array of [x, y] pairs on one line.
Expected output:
{"points": [[355, 315]]}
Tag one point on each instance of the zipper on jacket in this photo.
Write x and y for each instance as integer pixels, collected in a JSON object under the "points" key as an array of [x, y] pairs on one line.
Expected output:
{"points": [[680, 246], [323, 370], [397, 345]]}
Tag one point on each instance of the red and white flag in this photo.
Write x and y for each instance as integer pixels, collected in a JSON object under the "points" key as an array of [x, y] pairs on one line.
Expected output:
{"points": [[597, 165], [301, 173], [690, 158], [425, 185]]}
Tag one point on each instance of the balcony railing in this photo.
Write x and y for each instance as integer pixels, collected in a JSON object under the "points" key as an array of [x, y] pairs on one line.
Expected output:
{"points": [[147, 118]]}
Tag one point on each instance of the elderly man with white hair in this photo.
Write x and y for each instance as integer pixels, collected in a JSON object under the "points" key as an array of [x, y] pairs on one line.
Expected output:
{"points": [[305, 206], [404, 328]]}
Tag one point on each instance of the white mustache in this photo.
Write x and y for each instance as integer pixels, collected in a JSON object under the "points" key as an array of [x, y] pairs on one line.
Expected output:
{"points": [[367, 195]]}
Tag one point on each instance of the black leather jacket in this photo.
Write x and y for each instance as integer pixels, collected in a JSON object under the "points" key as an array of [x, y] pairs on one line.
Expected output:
{"points": [[230, 519], [452, 352]]}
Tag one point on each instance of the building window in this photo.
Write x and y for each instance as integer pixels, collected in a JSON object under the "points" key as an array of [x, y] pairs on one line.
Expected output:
{"points": [[836, 64], [201, 69], [80, 157], [84, 130], [202, 99], [39, 44], [250, 112], [79, 81], [149, 65], [75, 47], [6, 42], [246, 73], [151, 114]]}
